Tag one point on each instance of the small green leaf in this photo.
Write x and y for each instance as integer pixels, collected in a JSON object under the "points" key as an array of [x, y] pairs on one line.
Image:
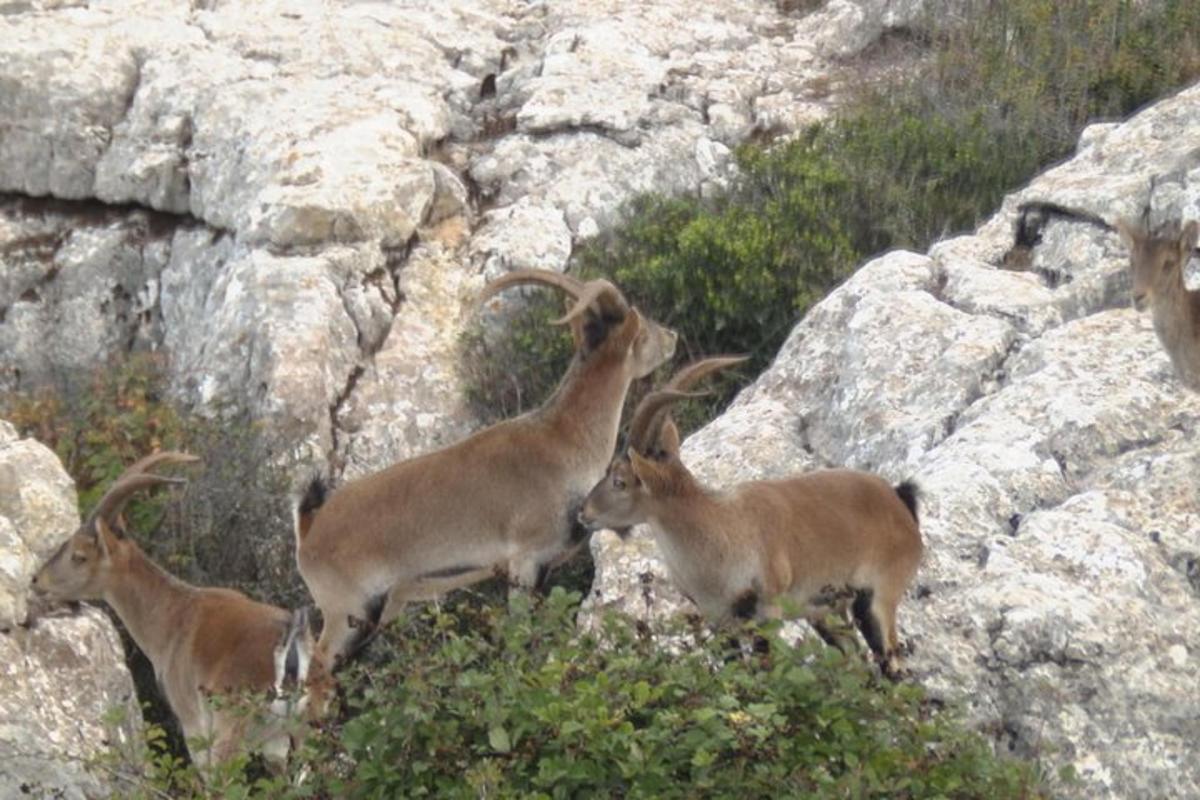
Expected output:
{"points": [[498, 739]]}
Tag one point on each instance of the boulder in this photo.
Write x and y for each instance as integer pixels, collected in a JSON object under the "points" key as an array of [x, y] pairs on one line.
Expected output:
{"points": [[300, 158]]}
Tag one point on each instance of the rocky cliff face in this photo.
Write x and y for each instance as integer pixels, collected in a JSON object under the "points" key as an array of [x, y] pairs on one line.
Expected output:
{"points": [[1056, 450], [299, 204], [62, 678], [329, 184]]}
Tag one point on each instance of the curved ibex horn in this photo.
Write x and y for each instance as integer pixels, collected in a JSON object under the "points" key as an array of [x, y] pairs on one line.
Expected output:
{"points": [[519, 277], [136, 478], [652, 411], [597, 291]]}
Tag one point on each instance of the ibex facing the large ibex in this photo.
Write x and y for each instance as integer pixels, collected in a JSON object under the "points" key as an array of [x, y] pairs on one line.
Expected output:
{"points": [[201, 641], [502, 500], [827, 541]]}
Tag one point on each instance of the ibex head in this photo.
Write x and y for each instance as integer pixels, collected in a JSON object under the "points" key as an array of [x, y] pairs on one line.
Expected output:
{"points": [[87, 563], [600, 319], [650, 464], [1157, 257]]}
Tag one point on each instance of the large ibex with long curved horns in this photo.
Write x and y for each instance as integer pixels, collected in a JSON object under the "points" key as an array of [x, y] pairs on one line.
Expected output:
{"points": [[201, 641], [827, 541], [503, 500]]}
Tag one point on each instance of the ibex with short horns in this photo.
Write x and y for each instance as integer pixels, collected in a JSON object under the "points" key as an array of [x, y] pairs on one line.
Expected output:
{"points": [[503, 500], [201, 641], [826, 541]]}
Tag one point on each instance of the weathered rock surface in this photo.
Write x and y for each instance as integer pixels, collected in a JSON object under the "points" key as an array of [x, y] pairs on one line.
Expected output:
{"points": [[65, 693], [37, 513], [1056, 451], [299, 154]]}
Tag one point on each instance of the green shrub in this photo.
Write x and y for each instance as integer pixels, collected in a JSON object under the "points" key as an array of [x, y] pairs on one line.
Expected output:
{"points": [[100, 423], [480, 701], [513, 370], [1005, 91]]}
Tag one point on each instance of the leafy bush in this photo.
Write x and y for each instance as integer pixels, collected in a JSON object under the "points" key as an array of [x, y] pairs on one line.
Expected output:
{"points": [[514, 369], [1005, 90], [488, 702]]}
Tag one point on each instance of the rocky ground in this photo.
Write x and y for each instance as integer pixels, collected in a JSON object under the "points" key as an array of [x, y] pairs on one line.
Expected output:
{"points": [[66, 696]]}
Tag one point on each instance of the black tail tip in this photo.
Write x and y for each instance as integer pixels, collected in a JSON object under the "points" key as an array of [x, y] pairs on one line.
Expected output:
{"points": [[314, 495], [908, 493]]}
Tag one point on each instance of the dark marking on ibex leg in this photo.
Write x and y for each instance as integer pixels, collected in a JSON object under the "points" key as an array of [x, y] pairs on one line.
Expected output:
{"points": [[867, 623], [832, 596], [827, 635], [542, 579], [291, 663], [364, 627], [745, 605]]}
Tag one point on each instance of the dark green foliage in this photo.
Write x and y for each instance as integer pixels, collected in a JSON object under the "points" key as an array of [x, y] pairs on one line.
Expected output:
{"points": [[480, 701], [514, 370], [1005, 91]]}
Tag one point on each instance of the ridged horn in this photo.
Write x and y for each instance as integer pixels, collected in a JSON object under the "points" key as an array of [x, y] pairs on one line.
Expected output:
{"points": [[521, 277], [136, 478], [652, 411], [600, 291]]}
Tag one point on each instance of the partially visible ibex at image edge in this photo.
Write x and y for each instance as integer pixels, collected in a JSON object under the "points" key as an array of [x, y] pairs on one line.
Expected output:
{"points": [[202, 642], [1157, 258]]}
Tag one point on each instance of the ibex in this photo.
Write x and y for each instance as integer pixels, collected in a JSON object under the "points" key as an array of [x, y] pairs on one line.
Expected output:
{"points": [[503, 500], [1158, 259], [827, 541], [203, 642]]}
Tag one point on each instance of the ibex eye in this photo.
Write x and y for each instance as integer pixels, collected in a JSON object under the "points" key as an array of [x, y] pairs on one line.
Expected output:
{"points": [[618, 483], [78, 558]]}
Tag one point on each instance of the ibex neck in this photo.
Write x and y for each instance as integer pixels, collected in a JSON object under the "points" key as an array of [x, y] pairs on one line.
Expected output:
{"points": [[695, 522], [587, 404], [149, 600]]}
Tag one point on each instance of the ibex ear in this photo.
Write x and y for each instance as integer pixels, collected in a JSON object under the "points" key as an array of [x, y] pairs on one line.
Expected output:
{"points": [[1131, 232], [575, 324], [668, 438], [645, 470], [106, 540], [1187, 239]]}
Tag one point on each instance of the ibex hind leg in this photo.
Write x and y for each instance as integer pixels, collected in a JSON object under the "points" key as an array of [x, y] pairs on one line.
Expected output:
{"points": [[875, 615]]}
